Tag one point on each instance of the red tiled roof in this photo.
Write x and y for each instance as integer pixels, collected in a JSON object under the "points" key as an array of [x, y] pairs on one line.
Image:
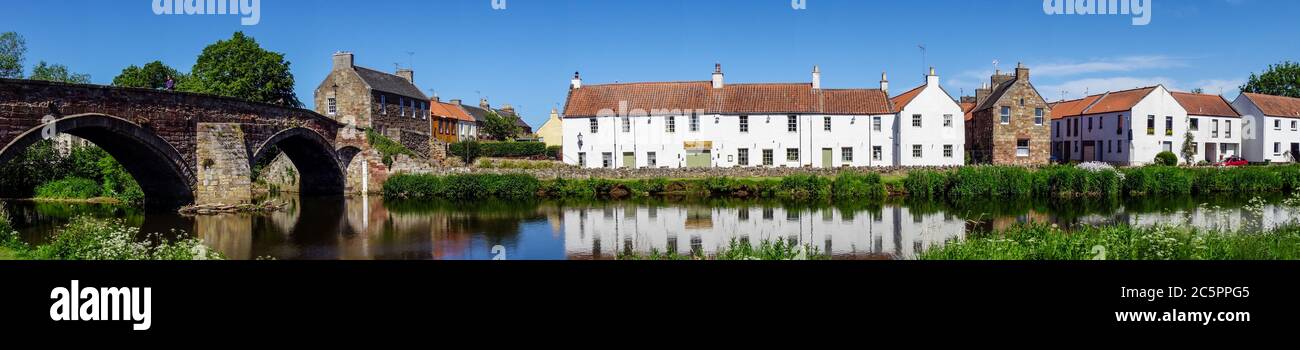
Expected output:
{"points": [[1109, 102], [1206, 105], [969, 109], [683, 97], [901, 101], [447, 110], [1276, 106], [1072, 108]]}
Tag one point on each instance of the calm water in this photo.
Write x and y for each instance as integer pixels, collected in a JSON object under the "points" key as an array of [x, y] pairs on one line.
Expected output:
{"points": [[365, 228]]}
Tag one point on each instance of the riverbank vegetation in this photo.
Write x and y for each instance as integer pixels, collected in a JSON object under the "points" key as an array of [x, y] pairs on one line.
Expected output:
{"points": [[83, 172], [1098, 180], [766, 250], [87, 238], [1039, 242], [846, 186]]}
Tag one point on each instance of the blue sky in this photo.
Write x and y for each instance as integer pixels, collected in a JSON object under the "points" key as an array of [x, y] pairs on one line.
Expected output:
{"points": [[525, 54]]}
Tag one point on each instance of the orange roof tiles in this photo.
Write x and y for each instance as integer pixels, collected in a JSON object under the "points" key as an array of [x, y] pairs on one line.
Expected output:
{"points": [[1110, 102], [447, 110], [901, 101], [1276, 106], [658, 98], [1206, 105], [1073, 108]]}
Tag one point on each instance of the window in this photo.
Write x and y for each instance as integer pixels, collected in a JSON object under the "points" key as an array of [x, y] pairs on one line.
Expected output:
{"points": [[1110, 146], [1277, 125], [877, 153], [1293, 125], [1119, 146], [1022, 148], [767, 157], [1151, 125], [916, 151], [744, 123], [1022, 102], [1277, 148], [947, 151], [826, 123], [1227, 132], [423, 116], [846, 154], [582, 159], [875, 123], [1006, 115], [595, 125], [792, 124], [333, 106], [1195, 124], [383, 104], [672, 124], [792, 154], [651, 159], [1057, 128], [1089, 123], [1167, 146], [947, 120], [1169, 126], [1214, 131], [1119, 125], [1038, 116], [627, 124], [742, 157], [401, 106], [607, 160], [916, 120], [695, 123]]}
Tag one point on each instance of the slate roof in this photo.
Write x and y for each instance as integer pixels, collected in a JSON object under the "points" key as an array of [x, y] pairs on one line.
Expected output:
{"points": [[390, 83]]}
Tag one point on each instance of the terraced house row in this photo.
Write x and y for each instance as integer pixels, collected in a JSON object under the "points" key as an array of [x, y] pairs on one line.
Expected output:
{"points": [[715, 124]]}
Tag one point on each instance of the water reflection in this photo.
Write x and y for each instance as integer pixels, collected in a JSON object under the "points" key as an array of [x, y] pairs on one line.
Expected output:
{"points": [[368, 228]]}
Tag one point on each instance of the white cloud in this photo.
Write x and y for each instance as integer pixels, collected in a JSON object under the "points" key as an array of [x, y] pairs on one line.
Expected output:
{"points": [[1227, 87], [1083, 87], [1109, 65]]}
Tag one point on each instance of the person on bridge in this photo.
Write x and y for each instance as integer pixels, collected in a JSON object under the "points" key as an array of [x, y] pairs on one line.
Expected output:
{"points": [[171, 83]]}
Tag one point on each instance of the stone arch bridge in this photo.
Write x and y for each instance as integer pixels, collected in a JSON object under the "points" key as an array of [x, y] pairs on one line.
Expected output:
{"points": [[182, 148]]}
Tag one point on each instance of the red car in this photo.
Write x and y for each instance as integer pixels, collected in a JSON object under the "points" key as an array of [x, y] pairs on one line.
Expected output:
{"points": [[1234, 162]]}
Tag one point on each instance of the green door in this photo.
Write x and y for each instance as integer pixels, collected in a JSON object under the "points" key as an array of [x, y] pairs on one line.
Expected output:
{"points": [[629, 160], [699, 159], [828, 158]]}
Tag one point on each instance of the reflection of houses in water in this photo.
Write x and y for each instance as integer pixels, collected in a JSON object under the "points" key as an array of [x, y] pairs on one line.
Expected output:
{"points": [[606, 232]]}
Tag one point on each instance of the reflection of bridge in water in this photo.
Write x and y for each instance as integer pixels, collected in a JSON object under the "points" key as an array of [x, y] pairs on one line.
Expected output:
{"points": [[366, 228]]}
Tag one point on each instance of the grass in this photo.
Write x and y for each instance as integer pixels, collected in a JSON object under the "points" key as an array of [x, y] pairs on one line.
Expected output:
{"points": [[1071, 181], [766, 250], [1038, 242], [86, 238], [804, 188]]}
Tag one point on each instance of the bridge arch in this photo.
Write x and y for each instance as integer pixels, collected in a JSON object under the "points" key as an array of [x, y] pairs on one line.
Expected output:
{"points": [[319, 166], [157, 166]]}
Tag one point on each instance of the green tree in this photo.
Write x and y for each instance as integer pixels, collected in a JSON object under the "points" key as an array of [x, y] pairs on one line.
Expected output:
{"points": [[1189, 148], [1280, 79], [1198, 91], [240, 68], [57, 73], [152, 76], [12, 51], [500, 127]]}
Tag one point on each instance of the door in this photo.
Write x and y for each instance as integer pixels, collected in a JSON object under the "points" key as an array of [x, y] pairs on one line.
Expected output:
{"points": [[1295, 152], [629, 160], [1212, 152], [1089, 151], [828, 158], [699, 159]]}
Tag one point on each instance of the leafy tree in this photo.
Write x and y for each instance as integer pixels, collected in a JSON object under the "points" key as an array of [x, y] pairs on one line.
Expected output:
{"points": [[500, 127], [1198, 91], [240, 68], [12, 51], [152, 76], [1280, 79], [1189, 147], [57, 73]]}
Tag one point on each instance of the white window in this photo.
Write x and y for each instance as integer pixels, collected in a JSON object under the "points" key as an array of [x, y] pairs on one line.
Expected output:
{"points": [[744, 123], [627, 124], [877, 153], [792, 124], [947, 151], [1151, 125], [846, 154], [1293, 125], [792, 154], [916, 120], [1195, 124], [672, 124], [401, 106], [1006, 115], [916, 151], [1227, 132], [1022, 148], [595, 125], [875, 123], [695, 123], [333, 106], [1277, 148], [1038, 116], [607, 160], [826, 123], [947, 120], [768, 158], [652, 159], [383, 104], [742, 157], [1277, 125]]}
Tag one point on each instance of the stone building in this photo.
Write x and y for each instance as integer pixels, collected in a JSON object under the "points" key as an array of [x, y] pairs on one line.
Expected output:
{"points": [[1009, 122], [389, 104]]}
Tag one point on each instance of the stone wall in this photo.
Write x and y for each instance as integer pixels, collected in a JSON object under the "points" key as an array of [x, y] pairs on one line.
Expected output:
{"points": [[280, 174], [682, 173], [224, 174]]}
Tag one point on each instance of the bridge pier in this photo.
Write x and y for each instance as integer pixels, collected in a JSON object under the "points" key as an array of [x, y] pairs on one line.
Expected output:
{"points": [[224, 174]]}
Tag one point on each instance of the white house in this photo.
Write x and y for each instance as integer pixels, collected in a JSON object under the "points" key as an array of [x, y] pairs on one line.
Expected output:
{"points": [[931, 128], [1123, 127], [715, 124], [1214, 124], [1272, 130]]}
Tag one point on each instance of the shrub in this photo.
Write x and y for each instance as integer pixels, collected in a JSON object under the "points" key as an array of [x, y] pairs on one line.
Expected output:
{"points": [[804, 187], [990, 181], [87, 238], [69, 188], [462, 187], [858, 186], [554, 152], [1166, 159], [925, 184], [469, 151], [387, 147], [1157, 180], [501, 149]]}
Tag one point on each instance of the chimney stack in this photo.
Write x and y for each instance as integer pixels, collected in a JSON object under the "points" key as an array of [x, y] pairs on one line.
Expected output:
{"points": [[982, 93], [932, 79], [456, 102], [717, 76], [1022, 73], [576, 83], [817, 77], [342, 60], [436, 99], [508, 109], [884, 82], [407, 74], [483, 103]]}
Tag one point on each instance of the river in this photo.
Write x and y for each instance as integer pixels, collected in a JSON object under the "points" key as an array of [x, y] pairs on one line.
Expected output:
{"points": [[369, 228]]}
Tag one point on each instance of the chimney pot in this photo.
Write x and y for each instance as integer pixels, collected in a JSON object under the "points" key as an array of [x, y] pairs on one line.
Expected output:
{"points": [[407, 74], [717, 76], [343, 59]]}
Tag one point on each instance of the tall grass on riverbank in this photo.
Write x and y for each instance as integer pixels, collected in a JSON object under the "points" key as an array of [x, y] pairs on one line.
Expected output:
{"points": [[1098, 180], [845, 187], [10, 244], [1038, 242], [736, 250], [87, 238]]}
